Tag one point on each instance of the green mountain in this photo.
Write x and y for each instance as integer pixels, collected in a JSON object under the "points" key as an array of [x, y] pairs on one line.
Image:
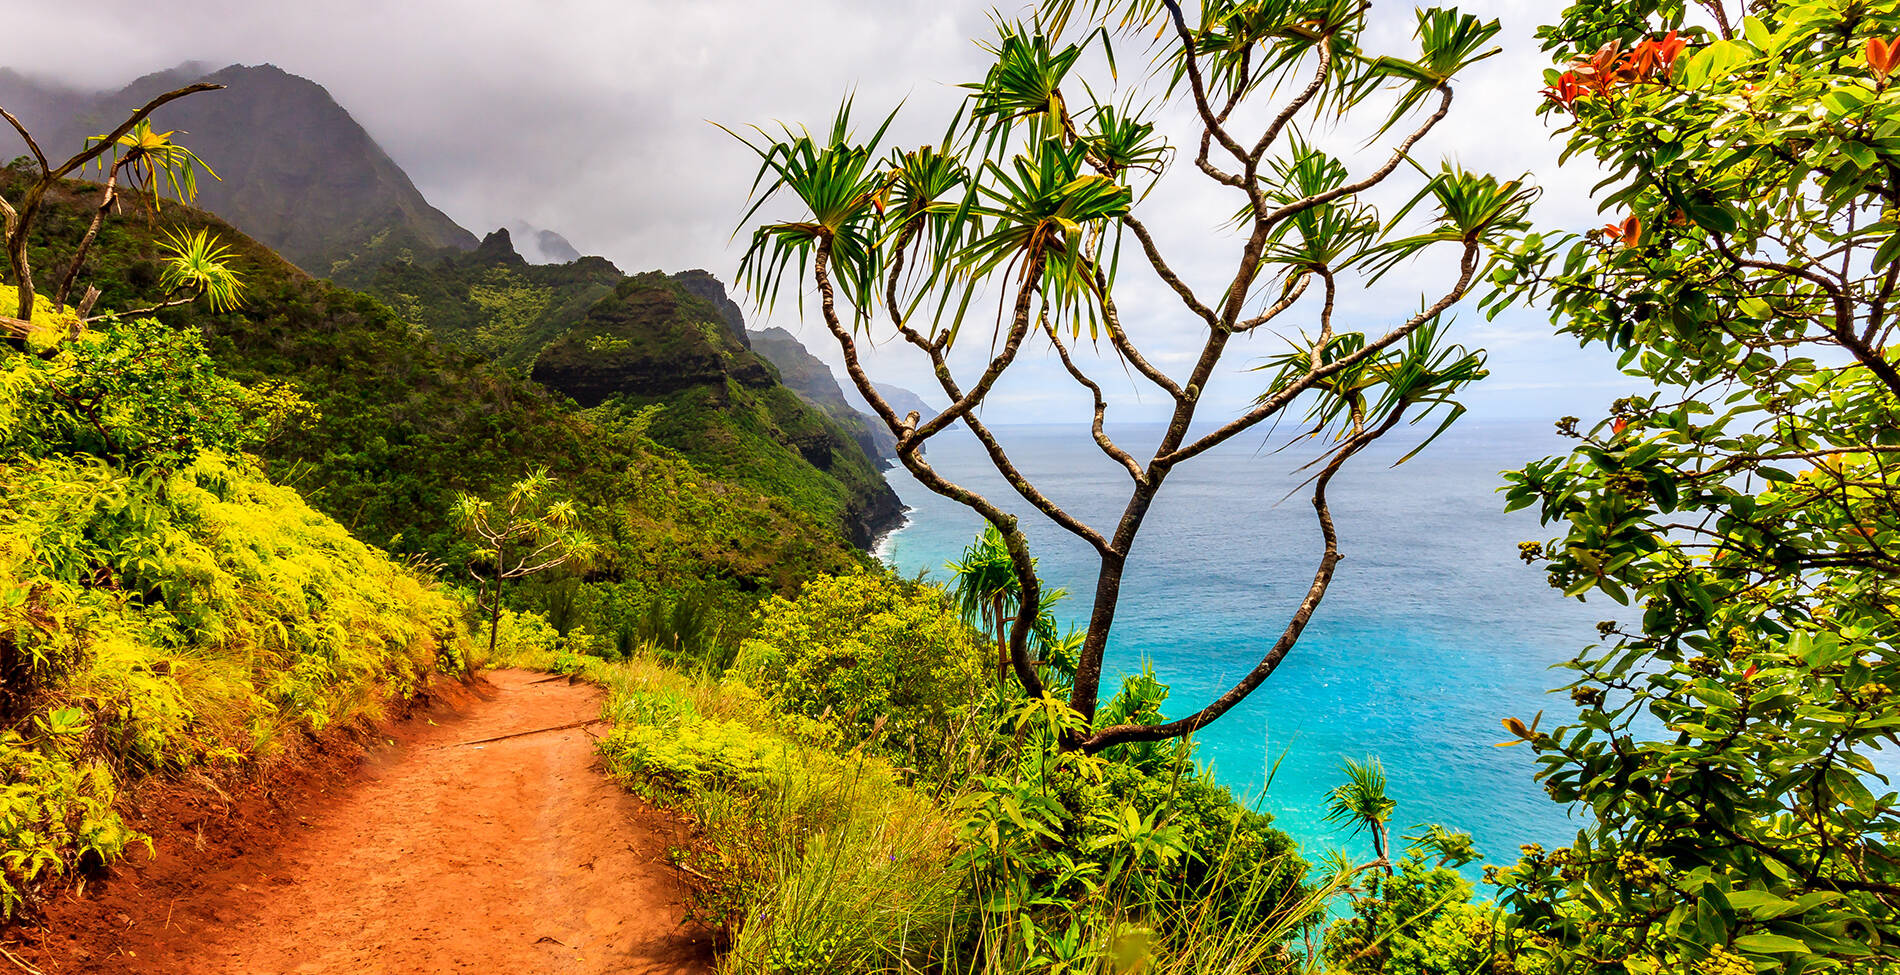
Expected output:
{"points": [[812, 380], [308, 182], [404, 422], [655, 342], [298, 173]]}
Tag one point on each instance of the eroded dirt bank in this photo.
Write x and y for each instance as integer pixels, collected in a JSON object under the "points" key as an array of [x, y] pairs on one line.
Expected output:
{"points": [[430, 855]]}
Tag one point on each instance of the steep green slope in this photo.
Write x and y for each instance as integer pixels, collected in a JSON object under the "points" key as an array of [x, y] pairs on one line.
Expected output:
{"points": [[678, 341], [811, 379], [405, 424], [654, 342]]}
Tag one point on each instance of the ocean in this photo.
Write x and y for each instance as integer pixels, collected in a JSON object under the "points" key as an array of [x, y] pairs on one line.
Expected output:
{"points": [[1432, 632]]}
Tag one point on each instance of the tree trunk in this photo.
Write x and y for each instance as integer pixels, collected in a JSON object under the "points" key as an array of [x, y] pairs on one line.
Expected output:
{"points": [[494, 606], [92, 232], [1002, 641]]}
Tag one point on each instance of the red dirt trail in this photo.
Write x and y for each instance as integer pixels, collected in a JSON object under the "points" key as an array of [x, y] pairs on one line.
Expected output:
{"points": [[430, 856]]}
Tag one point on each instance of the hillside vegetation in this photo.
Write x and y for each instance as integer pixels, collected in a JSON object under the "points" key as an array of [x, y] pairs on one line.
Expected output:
{"points": [[399, 426], [163, 606], [676, 341]]}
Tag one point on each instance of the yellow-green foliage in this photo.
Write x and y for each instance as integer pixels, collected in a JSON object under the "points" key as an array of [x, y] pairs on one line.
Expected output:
{"points": [[160, 620], [50, 322], [820, 859], [885, 660]]}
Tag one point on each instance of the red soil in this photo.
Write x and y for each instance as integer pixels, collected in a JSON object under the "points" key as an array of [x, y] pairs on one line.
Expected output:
{"points": [[423, 855]]}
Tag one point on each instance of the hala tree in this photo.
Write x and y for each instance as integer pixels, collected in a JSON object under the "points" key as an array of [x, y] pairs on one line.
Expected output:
{"points": [[526, 532], [986, 589], [1747, 501], [146, 158], [1029, 200]]}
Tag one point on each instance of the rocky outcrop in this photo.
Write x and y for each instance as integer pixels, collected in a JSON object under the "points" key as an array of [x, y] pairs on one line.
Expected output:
{"points": [[703, 285], [813, 381]]}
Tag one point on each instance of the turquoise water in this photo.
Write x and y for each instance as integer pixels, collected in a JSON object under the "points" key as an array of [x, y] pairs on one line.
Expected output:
{"points": [[1432, 632]]}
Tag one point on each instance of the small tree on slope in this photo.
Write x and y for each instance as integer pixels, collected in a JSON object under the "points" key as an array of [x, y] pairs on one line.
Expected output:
{"points": [[525, 533], [1039, 184], [147, 158]]}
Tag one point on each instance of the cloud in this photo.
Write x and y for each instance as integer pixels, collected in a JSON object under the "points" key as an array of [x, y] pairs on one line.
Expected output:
{"points": [[596, 118]]}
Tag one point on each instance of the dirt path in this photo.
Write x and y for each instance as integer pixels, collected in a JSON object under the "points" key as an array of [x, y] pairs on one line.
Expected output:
{"points": [[514, 856]]}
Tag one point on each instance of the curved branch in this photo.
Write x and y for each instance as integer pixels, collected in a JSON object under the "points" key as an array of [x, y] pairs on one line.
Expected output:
{"points": [[1171, 279], [102, 143], [1286, 115], [1098, 430], [28, 137], [1269, 662], [1029, 588], [1286, 301], [1189, 59], [1378, 176], [1278, 401]]}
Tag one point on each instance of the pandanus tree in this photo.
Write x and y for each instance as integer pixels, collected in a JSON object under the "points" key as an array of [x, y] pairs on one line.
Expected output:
{"points": [[150, 161], [986, 589], [1744, 501], [1361, 803], [525, 532], [147, 158], [1038, 184]]}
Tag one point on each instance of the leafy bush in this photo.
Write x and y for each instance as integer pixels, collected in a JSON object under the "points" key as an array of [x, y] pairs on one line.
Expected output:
{"points": [[1418, 921], [884, 660], [137, 392], [164, 620], [812, 861]]}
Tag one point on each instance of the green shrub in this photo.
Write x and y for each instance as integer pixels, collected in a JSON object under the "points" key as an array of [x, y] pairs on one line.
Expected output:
{"points": [[884, 660], [1418, 921], [137, 392], [812, 860], [163, 620]]}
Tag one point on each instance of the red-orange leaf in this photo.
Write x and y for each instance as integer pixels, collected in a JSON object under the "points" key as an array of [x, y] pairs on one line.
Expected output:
{"points": [[1882, 56]]}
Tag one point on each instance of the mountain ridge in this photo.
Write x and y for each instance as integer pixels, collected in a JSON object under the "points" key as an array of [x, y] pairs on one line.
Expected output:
{"points": [[299, 173]]}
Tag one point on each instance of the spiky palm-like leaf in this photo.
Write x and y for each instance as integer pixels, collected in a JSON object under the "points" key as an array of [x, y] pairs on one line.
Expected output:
{"points": [[151, 160], [199, 263], [841, 187], [1449, 42], [1472, 207], [1360, 801]]}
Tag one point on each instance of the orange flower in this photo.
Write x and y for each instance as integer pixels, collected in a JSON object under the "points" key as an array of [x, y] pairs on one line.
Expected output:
{"points": [[1882, 57]]}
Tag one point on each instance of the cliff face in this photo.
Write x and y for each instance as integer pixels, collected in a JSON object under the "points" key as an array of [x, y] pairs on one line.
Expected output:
{"points": [[703, 285], [298, 173], [653, 342], [812, 380]]}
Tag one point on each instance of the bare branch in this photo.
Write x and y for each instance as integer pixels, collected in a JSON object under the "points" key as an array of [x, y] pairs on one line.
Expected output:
{"points": [[1278, 401], [1167, 274], [105, 142], [1098, 429], [28, 137], [1286, 301], [1296, 625]]}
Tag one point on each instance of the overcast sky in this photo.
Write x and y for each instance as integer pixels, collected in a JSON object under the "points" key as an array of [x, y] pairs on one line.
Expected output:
{"points": [[594, 118]]}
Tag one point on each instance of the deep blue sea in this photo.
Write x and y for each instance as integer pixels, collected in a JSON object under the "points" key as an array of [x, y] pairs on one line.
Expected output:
{"points": [[1432, 632]]}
